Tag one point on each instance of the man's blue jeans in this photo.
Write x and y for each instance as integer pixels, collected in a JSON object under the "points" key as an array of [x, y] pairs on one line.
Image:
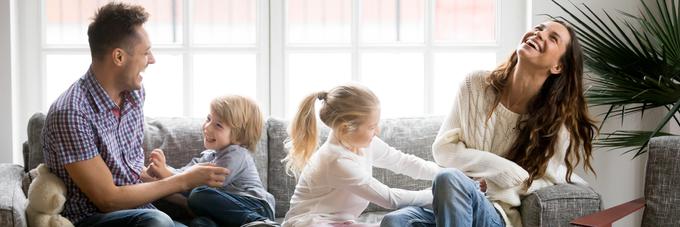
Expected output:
{"points": [[130, 218], [218, 208], [457, 202]]}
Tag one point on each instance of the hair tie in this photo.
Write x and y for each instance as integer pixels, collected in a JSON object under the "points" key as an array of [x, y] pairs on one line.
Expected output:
{"points": [[321, 95]]}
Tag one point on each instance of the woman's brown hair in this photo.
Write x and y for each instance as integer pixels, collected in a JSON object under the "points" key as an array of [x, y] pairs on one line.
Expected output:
{"points": [[560, 102]]}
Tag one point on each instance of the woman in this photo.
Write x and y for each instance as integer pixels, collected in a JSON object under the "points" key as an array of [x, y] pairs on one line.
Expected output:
{"points": [[511, 131]]}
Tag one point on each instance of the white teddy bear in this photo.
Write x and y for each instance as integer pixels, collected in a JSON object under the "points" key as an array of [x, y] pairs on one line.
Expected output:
{"points": [[46, 197]]}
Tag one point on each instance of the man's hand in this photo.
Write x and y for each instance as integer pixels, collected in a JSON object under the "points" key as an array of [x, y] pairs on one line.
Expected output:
{"points": [[204, 174]]}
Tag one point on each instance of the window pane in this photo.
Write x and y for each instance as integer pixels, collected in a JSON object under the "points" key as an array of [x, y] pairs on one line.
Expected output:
{"points": [[224, 21], [449, 71], [467, 21], [319, 21], [313, 72], [220, 74], [67, 20], [397, 80], [392, 21], [62, 70], [163, 86]]}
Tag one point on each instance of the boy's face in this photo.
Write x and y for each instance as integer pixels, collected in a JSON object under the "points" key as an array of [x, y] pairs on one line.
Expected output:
{"points": [[216, 134]]}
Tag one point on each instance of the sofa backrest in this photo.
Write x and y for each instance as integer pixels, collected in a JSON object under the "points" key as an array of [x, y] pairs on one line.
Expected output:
{"points": [[662, 182], [410, 135]]}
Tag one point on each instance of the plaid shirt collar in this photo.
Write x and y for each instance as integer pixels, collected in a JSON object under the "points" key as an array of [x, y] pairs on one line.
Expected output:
{"points": [[101, 99]]}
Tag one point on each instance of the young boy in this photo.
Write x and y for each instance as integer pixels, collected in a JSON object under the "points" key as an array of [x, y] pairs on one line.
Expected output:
{"points": [[231, 131]]}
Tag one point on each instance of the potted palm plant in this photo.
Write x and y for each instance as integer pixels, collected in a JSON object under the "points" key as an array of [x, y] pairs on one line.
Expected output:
{"points": [[633, 64]]}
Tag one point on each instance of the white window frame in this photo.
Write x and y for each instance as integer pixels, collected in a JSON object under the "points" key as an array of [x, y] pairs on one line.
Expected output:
{"points": [[510, 25], [35, 48], [513, 18]]}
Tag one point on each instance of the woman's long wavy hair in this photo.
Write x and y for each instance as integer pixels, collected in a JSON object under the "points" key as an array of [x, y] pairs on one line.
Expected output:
{"points": [[344, 106], [560, 102]]}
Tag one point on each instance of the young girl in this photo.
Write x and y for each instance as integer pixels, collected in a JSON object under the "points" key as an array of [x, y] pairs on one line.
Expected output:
{"points": [[335, 183], [231, 131], [518, 128]]}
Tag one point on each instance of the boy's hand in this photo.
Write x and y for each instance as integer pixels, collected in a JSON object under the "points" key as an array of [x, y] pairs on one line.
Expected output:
{"points": [[146, 176], [155, 171], [157, 157]]}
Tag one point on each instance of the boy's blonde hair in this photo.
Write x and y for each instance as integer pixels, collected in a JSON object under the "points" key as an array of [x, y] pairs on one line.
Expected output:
{"points": [[343, 106], [243, 116]]}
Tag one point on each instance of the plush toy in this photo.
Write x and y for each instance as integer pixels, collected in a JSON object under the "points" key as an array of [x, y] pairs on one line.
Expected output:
{"points": [[46, 197]]}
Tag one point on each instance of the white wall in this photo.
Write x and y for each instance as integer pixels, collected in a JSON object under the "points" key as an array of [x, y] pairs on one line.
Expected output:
{"points": [[6, 82], [619, 177]]}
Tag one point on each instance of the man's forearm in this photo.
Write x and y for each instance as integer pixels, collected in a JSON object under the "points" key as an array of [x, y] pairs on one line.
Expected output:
{"points": [[131, 196]]}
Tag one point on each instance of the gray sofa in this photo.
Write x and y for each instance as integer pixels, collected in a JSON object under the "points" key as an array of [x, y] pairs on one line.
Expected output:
{"points": [[181, 140]]}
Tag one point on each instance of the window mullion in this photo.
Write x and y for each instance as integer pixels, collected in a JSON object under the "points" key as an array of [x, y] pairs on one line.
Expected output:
{"points": [[355, 33], [429, 59], [277, 70], [187, 59], [263, 74]]}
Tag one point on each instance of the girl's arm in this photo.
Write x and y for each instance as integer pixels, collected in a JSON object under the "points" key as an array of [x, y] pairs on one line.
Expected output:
{"points": [[387, 157], [348, 174]]}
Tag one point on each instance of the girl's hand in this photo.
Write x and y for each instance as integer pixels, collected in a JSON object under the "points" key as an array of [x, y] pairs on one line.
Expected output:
{"points": [[482, 184]]}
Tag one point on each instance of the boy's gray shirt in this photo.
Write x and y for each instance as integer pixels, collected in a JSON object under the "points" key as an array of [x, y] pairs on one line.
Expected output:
{"points": [[243, 178]]}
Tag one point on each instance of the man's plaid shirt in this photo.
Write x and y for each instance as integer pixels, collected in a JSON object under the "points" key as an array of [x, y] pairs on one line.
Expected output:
{"points": [[81, 125]]}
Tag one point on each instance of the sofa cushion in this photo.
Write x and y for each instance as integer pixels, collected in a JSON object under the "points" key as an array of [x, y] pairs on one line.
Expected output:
{"points": [[662, 182], [13, 200], [410, 135], [557, 205]]}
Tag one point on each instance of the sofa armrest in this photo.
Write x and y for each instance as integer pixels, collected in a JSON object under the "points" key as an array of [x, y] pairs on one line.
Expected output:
{"points": [[557, 205], [12, 198], [606, 217]]}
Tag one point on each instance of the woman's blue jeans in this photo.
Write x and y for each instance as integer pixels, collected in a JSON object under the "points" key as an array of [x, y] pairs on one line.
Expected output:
{"points": [[457, 202]]}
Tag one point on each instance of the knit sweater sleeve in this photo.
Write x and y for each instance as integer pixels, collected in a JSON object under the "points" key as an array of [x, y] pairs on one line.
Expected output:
{"points": [[349, 174], [449, 148]]}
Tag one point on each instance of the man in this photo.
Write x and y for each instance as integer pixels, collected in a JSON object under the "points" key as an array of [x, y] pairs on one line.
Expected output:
{"points": [[93, 132]]}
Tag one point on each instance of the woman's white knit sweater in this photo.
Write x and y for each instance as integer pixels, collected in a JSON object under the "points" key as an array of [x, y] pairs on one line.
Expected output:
{"points": [[477, 147]]}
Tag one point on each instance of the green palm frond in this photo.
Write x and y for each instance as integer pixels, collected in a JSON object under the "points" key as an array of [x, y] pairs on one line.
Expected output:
{"points": [[629, 141], [633, 64]]}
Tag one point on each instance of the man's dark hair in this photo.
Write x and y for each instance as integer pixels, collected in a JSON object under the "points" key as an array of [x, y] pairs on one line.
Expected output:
{"points": [[113, 26]]}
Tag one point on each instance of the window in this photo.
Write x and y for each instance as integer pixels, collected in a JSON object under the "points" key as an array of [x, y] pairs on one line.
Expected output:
{"points": [[411, 53], [203, 49]]}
